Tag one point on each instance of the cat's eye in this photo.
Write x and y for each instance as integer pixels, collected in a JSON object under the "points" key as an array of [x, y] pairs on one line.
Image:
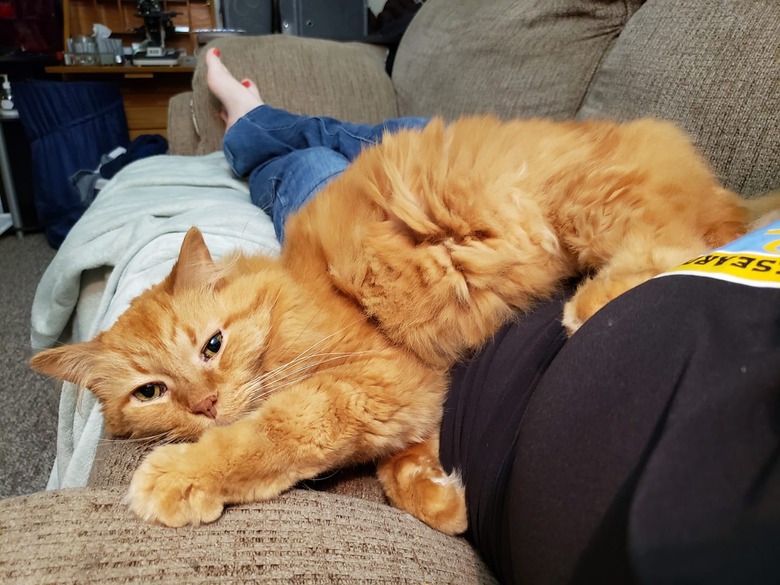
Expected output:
{"points": [[150, 391], [212, 347]]}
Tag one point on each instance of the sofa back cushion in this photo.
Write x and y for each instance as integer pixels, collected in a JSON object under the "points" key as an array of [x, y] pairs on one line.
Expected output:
{"points": [[350, 84], [713, 68], [507, 57]]}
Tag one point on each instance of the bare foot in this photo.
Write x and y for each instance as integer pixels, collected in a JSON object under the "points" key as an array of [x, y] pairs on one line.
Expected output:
{"points": [[237, 97]]}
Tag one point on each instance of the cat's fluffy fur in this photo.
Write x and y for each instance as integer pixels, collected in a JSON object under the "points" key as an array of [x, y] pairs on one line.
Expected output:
{"points": [[337, 352]]}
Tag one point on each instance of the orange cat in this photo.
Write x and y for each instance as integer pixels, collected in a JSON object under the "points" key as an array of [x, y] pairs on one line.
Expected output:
{"points": [[338, 351]]}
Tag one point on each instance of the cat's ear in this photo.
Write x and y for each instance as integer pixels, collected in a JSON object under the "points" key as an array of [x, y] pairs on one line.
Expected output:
{"points": [[194, 268], [73, 363]]}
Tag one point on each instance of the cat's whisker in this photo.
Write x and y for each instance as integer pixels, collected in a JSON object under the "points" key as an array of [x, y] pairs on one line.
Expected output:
{"points": [[301, 332], [279, 385], [309, 483], [283, 379], [299, 364], [268, 390], [306, 353], [282, 371], [256, 398], [324, 339], [163, 438], [147, 439]]}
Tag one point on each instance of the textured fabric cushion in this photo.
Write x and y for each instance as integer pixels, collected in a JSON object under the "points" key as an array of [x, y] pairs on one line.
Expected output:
{"points": [[305, 76], [88, 536], [182, 139], [508, 57], [713, 68]]}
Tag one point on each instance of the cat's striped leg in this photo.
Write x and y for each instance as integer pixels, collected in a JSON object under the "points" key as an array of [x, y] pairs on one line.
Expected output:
{"points": [[414, 481], [638, 260]]}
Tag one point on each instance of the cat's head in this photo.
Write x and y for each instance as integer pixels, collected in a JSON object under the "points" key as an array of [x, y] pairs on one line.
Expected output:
{"points": [[187, 354]]}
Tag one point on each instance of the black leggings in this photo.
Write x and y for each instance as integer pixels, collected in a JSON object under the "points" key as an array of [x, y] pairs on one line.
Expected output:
{"points": [[644, 449]]}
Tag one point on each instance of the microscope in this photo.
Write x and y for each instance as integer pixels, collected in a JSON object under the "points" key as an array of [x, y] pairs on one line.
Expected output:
{"points": [[158, 25]]}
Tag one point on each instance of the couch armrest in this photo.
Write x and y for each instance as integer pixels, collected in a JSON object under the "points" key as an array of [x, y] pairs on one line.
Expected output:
{"points": [[89, 536], [116, 460], [307, 76], [182, 134]]}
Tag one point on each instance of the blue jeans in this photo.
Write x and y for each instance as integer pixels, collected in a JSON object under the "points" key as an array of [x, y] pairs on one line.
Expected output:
{"points": [[289, 158]]}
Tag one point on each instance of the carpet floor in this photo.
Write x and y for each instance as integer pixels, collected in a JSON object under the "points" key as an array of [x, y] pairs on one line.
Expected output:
{"points": [[28, 401]]}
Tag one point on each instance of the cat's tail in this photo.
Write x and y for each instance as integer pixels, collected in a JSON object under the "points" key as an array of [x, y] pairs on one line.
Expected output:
{"points": [[764, 209]]}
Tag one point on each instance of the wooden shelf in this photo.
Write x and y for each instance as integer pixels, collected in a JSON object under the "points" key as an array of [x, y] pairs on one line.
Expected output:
{"points": [[145, 89], [126, 70], [120, 17]]}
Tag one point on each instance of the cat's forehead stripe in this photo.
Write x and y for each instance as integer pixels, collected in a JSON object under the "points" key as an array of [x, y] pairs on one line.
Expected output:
{"points": [[248, 312], [189, 331], [139, 367]]}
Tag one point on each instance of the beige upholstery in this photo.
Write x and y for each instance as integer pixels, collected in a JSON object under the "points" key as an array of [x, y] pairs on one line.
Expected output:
{"points": [[182, 134], [85, 536]]}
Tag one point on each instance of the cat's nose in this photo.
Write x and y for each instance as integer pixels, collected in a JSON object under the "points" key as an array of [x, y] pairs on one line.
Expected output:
{"points": [[206, 406]]}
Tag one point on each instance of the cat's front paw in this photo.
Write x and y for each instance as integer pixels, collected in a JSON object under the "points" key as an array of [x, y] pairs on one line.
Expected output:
{"points": [[573, 317], [591, 296], [171, 488]]}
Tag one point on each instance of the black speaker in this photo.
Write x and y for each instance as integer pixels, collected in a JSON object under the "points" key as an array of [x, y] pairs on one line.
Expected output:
{"points": [[340, 20], [254, 17]]}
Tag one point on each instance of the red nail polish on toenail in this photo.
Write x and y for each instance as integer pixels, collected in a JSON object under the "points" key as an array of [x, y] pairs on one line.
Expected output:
{"points": [[245, 83], [216, 52]]}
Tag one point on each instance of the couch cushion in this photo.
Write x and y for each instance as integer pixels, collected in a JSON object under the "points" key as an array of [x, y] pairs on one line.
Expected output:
{"points": [[305, 76], [713, 68], [89, 536], [508, 57]]}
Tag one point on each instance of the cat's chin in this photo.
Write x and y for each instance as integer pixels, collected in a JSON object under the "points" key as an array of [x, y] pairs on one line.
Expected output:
{"points": [[223, 421]]}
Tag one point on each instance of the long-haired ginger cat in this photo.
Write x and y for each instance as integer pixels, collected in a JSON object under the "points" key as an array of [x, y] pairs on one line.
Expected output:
{"points": [[337, 352]]}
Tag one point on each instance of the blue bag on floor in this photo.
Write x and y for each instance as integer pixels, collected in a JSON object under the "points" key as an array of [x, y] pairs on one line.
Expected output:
{"points": [[70, 125]]}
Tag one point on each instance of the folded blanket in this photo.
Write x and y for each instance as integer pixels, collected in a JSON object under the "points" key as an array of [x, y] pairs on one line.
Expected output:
{"points": [[135, 226]]}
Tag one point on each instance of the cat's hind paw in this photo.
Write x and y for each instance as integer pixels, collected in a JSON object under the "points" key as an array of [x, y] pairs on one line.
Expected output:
{"points": [[415, 482], [168, 489]]}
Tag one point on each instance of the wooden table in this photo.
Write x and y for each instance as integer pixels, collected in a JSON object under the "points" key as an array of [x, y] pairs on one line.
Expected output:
{"points": [[145, 90]]}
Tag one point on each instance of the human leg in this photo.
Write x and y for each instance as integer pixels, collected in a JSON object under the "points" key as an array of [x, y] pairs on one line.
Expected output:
{"points": [[643, 438], [287, 157], [265, 133], [254, 135], [485, 408], [283, 184]]}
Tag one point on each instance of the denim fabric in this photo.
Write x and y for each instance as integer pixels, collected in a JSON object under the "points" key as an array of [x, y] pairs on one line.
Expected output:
{"points": [[288, 158], [283, 184]]}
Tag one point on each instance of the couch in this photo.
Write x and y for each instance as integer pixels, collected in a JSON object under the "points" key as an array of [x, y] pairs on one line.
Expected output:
{"points": [[712, 67]]}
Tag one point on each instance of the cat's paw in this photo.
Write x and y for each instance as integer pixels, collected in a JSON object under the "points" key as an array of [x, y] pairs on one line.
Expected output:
{"points": [[442, 503], [590, 297], [416, 483], [170, 488], [573, 317]]}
